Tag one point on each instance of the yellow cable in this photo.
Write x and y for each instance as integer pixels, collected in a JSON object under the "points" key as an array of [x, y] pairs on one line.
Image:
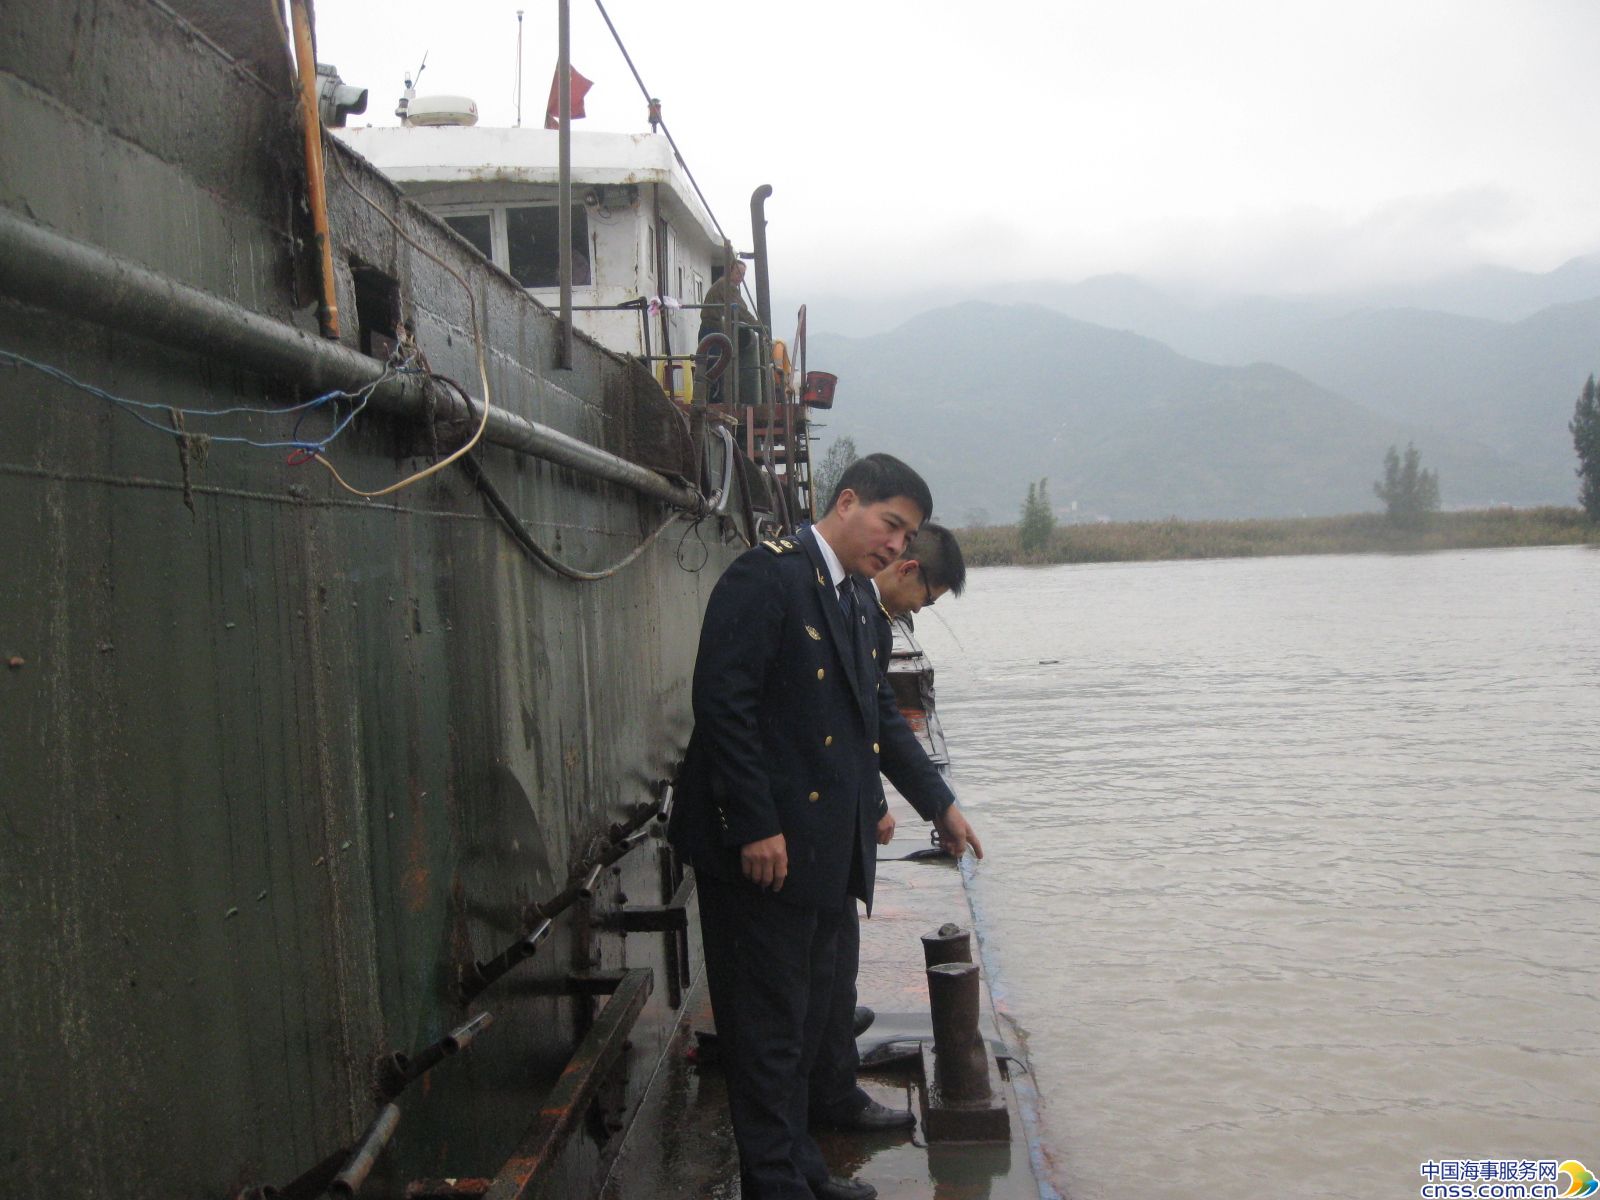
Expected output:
{"points": [[477, 342]]}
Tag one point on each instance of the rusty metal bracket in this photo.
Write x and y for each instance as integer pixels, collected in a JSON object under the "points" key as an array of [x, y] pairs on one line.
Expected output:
{"points": [[562, 1108], [647, 918], [671, 917]]}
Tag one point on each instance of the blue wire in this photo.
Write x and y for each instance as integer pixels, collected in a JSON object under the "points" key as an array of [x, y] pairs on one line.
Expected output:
{"points": [[304, 408]]}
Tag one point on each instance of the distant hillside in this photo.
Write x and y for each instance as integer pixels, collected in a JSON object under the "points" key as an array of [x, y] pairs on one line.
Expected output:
{"points": [[1510, 386], [1226, 327], [983, 397]]}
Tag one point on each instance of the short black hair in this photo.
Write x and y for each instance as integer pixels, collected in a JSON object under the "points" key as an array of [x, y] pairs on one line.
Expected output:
{"points": [[880, 477], [938, 554]]}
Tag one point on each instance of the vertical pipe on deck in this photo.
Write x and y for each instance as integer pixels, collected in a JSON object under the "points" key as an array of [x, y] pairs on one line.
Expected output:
{"points": [[758, 234], [730, 327], [316, 188], [564, 188]]}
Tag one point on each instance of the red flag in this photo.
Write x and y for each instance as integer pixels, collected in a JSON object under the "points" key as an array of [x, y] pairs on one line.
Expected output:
{"points": [[580, 89]]}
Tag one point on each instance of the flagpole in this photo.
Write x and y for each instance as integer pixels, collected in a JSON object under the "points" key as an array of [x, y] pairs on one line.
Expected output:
{"points": [[564, 188]]}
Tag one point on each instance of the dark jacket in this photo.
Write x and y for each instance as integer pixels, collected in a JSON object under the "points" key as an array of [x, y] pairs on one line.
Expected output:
{"points": [[793, 722]]}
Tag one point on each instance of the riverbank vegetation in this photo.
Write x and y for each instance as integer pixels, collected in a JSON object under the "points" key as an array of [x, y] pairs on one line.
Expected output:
{"points": [[1359, 533]]}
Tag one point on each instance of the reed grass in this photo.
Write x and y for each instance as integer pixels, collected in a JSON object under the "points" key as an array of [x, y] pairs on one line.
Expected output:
{"points": [[1357, 533]]}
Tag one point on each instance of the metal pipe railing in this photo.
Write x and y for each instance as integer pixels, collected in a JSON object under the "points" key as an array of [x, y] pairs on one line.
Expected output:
{"points": [[48, 270]]}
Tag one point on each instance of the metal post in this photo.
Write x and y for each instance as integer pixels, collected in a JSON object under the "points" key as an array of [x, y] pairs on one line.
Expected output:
{"points": [[963, 1068], [564, 188], [949, 944]]}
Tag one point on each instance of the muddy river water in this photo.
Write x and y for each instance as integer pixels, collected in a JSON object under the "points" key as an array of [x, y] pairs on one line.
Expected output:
{"points": [[1293, 876]]}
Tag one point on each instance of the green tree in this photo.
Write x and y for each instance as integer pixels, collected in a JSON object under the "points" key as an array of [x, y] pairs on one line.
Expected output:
{"points": [[839, 456], [1038, 519], [1585, 428], [1408, 492]]}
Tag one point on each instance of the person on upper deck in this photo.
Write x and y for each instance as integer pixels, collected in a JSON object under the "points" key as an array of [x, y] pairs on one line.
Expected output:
{"points": [[725, 299], [778, 801]]}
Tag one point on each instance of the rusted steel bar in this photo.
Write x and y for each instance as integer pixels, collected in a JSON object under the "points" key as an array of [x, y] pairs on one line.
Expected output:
{"points": [[305, 59], [963, 1057], [583, 888], [949, 944], [565, 1104], [537, 917], [478, 977], [636, 820], [398, 1071], [348, 1181]]}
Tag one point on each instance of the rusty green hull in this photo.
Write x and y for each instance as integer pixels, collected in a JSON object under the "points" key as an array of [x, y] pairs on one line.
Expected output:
{"points": [[280, 763]]}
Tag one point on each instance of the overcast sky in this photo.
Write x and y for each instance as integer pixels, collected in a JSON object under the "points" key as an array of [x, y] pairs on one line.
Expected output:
{"points": [[1273, 145]]}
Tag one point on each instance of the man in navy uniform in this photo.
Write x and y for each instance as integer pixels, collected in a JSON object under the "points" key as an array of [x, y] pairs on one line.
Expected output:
{"points": [[929, 568], [778, 803]]}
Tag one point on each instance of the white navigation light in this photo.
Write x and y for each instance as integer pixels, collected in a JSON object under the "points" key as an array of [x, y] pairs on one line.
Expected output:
{"points": [[442, 110]]}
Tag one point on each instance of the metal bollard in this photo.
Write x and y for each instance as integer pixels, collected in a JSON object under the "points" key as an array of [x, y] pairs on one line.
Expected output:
{"points": [[948, 944], [963, 1067]]}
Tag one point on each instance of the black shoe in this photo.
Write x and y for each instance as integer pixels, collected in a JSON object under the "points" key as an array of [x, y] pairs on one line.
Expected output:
{"points": [[836, 1188], [871, 1117], [864, 1019]]}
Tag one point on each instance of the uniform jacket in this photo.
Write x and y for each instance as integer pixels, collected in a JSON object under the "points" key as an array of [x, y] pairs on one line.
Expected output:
{"points": [[793, 721]]}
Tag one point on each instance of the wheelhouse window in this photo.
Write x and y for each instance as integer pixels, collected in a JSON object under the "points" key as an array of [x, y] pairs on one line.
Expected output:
{"points": [[477, 228], [533, 245]]}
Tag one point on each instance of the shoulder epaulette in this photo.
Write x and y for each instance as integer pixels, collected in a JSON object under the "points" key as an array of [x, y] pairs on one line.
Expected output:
{"points": [[781, 545], [884, 610]]}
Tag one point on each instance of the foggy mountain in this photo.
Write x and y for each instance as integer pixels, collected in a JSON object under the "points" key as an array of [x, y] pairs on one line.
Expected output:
{"points": [[1221, 329], [983, 397]]}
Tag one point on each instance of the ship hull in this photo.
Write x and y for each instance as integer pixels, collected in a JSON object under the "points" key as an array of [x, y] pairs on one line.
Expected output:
{"points": [[281, 764]]}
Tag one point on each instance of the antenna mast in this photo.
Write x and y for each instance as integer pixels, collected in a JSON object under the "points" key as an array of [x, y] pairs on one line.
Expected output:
{"points": [[519, 68]]}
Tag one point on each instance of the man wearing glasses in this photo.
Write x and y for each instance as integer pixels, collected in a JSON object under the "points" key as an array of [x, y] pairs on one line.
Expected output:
{"points": [[930, 567]]}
